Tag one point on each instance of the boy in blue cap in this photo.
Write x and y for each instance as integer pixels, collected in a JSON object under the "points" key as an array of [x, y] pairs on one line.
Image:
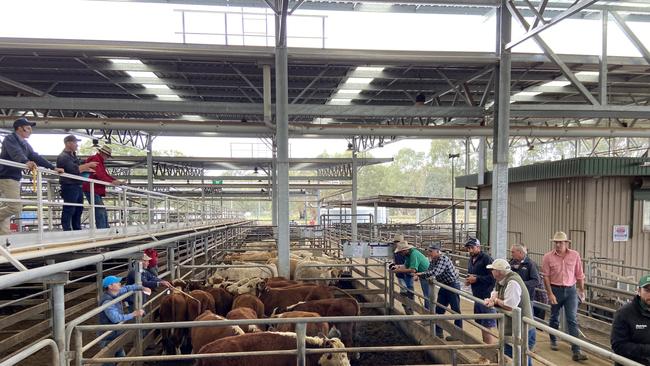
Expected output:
{"points": [[114, 314]]}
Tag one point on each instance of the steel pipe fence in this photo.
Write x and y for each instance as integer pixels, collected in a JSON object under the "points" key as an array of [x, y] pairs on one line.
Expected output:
{"points": [[18, 357]]}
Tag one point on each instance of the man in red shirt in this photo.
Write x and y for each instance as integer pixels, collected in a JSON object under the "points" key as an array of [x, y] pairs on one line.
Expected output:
{"points": [[152, 264], [562, 268], [103, 153]]}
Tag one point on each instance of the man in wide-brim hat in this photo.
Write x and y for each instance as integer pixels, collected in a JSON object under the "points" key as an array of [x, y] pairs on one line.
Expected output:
{"points": [[415, 261], [562, 268], [99, 190]]}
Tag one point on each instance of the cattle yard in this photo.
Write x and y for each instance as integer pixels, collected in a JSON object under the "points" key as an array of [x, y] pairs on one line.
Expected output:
{"points": [[355, 300]]}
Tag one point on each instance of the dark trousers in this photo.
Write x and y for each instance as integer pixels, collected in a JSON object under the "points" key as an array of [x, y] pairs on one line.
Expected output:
{"points": [[567, 298], [448, 298], [71, 215], [101, 217]]}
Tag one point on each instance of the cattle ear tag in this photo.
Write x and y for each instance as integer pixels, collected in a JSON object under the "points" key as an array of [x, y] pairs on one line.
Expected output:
{"points": [[168, 292]]}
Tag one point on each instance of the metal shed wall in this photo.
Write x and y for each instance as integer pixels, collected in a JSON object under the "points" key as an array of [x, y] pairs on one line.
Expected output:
{"points": [[585, 208]]}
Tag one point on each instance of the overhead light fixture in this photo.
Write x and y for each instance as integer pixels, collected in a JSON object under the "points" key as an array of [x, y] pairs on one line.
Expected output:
{"points": [[168, 97], [527, 94], [142, 74]]}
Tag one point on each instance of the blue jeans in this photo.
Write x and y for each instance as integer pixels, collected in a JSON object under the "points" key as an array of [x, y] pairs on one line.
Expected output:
{"points": [[448, 298], [101, 218], [567, 297], [406, 281], [424, 284], [118, 353], [532, 336], [71, 215]]}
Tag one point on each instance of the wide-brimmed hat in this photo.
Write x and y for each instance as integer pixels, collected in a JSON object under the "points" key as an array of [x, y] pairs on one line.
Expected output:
{"points": [[499, 264], [398, 238], [560, 236], [105, 150], [402, 245]]}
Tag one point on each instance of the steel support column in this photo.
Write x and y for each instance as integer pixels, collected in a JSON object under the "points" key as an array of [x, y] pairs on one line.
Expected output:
{"points": [[150, 163], [137, 304], [282, 136], [602, 75], [499, 222], [465, 203], [353, 207], [57, 284]]}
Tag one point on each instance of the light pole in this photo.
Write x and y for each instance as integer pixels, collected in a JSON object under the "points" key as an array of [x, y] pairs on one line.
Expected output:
{"points": [[452, 157]]}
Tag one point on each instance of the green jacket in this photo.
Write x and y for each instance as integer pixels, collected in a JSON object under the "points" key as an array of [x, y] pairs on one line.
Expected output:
{"points": [[417, 261]]}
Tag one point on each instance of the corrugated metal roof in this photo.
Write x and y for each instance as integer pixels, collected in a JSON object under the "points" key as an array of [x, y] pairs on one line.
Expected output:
{"points": [[569, 168]]}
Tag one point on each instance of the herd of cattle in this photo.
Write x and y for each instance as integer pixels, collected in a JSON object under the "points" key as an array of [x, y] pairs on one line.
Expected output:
{"points": [[256, 293]]}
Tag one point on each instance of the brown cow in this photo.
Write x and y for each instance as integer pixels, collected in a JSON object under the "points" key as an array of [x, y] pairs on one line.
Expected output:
{"points": [[272, 341], [282, 297], [313, 329], [249, 301], [173, 308], [198, 301], [345, 306], [204, 335], [222, 300], [245, 314]]}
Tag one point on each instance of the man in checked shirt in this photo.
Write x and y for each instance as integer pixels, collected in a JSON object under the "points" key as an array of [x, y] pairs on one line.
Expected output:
{"points": [[443, 270]]}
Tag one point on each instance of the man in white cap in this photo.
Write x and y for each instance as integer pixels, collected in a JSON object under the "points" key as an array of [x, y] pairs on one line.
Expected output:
{"points": [[415, 262], [149, 280], [562, 269], [510, 292], [99, 190]]}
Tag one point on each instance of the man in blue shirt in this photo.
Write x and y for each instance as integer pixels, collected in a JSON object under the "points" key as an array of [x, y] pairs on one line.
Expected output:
{"points": [[16, 148], [482, 282], [149, 280], [114, 314]]}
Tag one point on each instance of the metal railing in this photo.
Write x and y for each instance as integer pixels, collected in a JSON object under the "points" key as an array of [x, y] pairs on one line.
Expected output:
{"points": [[32, 349], [133, 210]]}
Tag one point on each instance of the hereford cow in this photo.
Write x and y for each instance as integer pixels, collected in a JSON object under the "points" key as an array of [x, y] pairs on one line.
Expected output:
{"points": [[238, 273], [345, 306], [222, 300], [313, 329], [272, 341], [245, 314], [173, 308], [204, 335], [249, 301], [283, 297], [198, 302]]}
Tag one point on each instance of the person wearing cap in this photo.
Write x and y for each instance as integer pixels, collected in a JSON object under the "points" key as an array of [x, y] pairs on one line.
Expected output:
{"points": [[562, 269], [443, 270], [415, 262], [153, 262], [404, 279], [71, 188], [149, 280], [114, 314], [103, 153], [527, 269], [482, 283], [630, 336], [16, 148], [510, 292]]}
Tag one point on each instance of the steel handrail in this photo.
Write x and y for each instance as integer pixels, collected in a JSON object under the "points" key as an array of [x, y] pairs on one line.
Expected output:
{"points": [[32, 349]]}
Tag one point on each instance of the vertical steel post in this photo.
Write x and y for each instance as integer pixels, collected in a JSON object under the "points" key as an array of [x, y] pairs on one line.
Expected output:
{"points": [[93, 222], [57, 302], [171, 267], [353, 207], [50, 210], [282, 133], [125, 210], [433, 299], [516, 336], [391, 290], [602, 75], [78, 339], [137, 304], [39, 198], [99, 267], [301, 331], [465, 203], [499, 222]]}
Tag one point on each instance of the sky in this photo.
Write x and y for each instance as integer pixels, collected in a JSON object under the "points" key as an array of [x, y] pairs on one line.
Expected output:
{"points": [[104, 20]]}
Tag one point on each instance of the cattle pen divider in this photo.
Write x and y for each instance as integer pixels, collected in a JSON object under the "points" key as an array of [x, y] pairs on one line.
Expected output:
{"points": [[301, 351]]}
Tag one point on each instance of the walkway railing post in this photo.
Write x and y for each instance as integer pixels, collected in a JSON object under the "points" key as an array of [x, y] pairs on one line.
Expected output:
{"points": [[93, 223], [171, 267], [391, 292], [433, 299], [137, 304], [99, 267], [301, 331], [57, 283], [516, 336], [39, 195]]}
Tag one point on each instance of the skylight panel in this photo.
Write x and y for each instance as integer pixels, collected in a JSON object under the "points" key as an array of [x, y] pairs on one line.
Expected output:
{"points": [[169, 97], [527, 94], [141, 74], [359, 80], [156, 86], [126, 61], [557, 83]]}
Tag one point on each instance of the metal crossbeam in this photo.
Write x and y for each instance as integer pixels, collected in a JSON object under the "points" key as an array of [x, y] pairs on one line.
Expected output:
{"points": [[336, 171], [629, 33], [163, 169], [132, 137]]}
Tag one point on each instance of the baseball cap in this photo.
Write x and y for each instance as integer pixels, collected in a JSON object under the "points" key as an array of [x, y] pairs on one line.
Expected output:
{"points": [[644, 281], [472, 242], [434, 246], [23, 122], [145, 257], [110, 280], [499, 264], [71, 138]]}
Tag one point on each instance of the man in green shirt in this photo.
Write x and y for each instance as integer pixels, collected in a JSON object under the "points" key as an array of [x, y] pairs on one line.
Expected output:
{"points": [[415, 262]]}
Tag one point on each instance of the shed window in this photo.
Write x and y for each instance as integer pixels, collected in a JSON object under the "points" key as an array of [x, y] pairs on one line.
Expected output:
{"points": [[646, 216]]}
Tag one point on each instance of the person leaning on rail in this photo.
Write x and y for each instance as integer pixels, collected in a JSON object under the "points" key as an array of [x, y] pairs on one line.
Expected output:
{"points": [[415, 262], [510, 292], [443, 270], [404, 279], [99, 190], [114, 314], [71, 191], [16, 148], [631, 328], [482, 283], [149, 280], [562, 268]]}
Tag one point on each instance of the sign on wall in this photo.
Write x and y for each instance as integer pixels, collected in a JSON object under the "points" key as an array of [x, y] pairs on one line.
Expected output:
{"points": [[621, 233]]}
